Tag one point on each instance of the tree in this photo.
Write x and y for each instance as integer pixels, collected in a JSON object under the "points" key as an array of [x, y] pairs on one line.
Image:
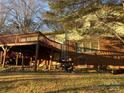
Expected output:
{"points": [[65, 12], [70, 15], [21, 16], [23, 13], [4, 13]]}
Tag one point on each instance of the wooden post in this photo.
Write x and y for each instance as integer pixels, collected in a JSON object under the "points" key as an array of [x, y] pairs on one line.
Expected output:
{"points": [[36, 56], [17, 56], [38, 62], [4, 57], [5, 50], [1, 57], [50, 60], [61, 53], [49, 66], [30, 61], [46, 64], [98, 45], [90, 46], [22, 62]]}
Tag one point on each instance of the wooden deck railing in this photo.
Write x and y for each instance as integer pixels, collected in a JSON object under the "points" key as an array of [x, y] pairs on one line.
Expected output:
{"points": [[55, 44], [32, 38], [17, 38]]}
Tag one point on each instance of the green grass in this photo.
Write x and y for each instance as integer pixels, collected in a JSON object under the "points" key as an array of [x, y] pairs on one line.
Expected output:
{"points": [[58, 82]]}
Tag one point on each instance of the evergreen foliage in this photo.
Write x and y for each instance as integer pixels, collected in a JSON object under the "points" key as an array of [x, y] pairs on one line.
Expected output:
{"points": [[71, 14]]}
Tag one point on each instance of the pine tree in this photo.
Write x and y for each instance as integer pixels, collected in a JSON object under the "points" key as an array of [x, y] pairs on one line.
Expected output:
{"points": [[67, 15]]}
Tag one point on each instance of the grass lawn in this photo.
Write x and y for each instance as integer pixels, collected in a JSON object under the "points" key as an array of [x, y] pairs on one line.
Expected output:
{"points": [[55, 82]]}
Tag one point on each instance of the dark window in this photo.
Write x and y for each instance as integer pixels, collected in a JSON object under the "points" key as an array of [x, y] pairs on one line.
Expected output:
{"points": [[87, 46]]}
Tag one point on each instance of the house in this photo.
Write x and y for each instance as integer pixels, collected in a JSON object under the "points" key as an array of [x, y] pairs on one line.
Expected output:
{"points": [[37, 49], [106, 50]]}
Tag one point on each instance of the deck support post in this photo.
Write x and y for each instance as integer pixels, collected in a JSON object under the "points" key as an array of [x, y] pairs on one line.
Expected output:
{"points": [[4, 57], [37, 54], [46, 64], [5, 50], [49, 64], [22, 62], [30, 61], [1, 57], [36, 57], [17, 56], [50, 60]]}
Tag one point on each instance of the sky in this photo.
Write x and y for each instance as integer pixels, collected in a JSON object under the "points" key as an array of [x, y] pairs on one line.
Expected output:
{"points": [[45, 7]]}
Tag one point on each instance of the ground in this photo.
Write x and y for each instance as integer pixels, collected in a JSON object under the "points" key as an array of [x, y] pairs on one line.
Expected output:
{"points": [[59, 82]]}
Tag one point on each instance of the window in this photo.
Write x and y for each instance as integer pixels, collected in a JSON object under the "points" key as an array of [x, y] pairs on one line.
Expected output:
{"points": [[79, 46], [87, 46], [95, 45]]}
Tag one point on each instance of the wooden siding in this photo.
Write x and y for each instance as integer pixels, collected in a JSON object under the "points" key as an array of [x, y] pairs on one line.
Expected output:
{"points": [[110, 52]]}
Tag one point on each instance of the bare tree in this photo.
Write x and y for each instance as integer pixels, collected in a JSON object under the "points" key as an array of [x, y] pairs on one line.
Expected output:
{"points": [[23, 15], [4, 13]]}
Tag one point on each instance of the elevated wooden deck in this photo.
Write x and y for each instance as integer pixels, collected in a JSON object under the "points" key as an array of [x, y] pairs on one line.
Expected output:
{"points": [[30, 46], [31, 39], [37, 48]]}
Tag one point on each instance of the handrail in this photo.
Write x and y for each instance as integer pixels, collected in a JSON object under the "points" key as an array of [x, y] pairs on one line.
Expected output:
{"points": [[31, 37], [97, 50]]}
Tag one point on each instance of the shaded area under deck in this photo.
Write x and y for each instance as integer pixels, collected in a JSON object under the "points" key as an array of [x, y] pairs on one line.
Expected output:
{"points": [[34, 47]]}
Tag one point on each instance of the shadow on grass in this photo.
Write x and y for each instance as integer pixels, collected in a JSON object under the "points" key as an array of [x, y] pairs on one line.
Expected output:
{"points": [[10, 80], [55, 75], [112, 86], [13, 84], [49, 72], [74, 89], [7, 88], [92, 89], [8, 85]]}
